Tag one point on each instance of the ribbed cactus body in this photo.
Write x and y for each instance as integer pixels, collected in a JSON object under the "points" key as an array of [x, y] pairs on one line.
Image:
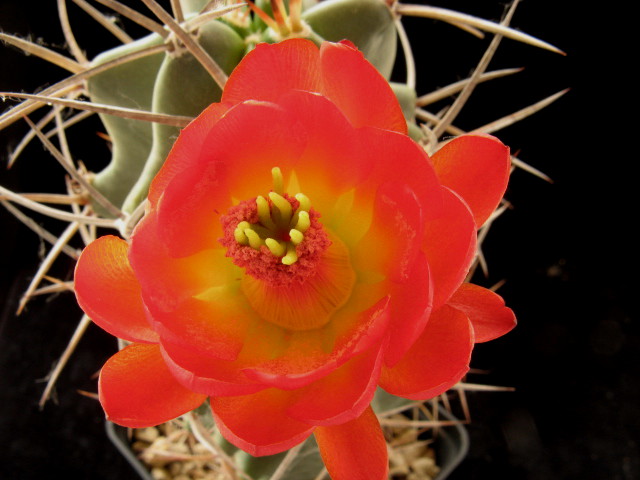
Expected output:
{"points": [[129, 85], [367, 23]]}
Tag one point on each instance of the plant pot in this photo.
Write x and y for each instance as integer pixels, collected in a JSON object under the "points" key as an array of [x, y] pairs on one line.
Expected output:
{"points": [[120, 438], [451, 446]]}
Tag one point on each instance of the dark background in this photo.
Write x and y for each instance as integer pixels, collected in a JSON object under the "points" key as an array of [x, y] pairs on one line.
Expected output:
{"points": [[565, 251]]}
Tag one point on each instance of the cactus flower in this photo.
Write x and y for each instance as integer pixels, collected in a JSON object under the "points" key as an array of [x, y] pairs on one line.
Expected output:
{"points": [[298, 250]]}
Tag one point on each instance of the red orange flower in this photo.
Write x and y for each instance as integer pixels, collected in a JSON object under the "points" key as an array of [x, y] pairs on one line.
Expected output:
{"points": [[298, 250]]}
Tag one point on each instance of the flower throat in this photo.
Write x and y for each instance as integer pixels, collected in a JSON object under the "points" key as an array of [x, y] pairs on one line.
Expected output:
{"points": [[276, 238]]}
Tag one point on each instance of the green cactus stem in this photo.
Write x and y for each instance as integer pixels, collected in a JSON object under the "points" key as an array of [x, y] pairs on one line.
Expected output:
{"points": [[128, 85], [369, 24]]}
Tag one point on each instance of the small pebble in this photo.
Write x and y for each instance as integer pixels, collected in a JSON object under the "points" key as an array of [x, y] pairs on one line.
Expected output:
{"points": [[160, 474], [424, 466], [146, 434]]}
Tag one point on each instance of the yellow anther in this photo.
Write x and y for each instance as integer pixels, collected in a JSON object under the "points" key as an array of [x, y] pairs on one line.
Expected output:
{"points": [[240, 237], [305, 203], [291, 257], [255, 241], [296, 236], [303, 222], [264, 213], [278, 249], [278, 181], [283, 206], [275, 217]]}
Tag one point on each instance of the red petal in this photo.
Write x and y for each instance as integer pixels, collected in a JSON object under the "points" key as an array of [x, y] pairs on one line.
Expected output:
{"points": [[309, 304], [215, 325], [331, 163], [486, 310], [167, 281], [410, 310], [450, 245], [436, 361], [342, 395], [355, 450], [189, 212], [393, 241], [109, 293], [186, 148], [477, 168], [269, 71], [358, 89], [136, 389], [307, 360], [272, 356], [257, 423], [401, 161], [207, 375]]}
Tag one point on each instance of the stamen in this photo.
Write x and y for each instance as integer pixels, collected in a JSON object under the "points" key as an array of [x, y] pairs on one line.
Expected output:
{"points": [[291, 257], [264, 213], [287, 226], [305, 203], [255, 241], [296, 236], [283, 206], [278, 180], [239, 235], [278, 249], [303, 222]]}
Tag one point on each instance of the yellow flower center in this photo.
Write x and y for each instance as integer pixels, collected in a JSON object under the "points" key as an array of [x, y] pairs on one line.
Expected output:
{"points": [[279, 228], [297, 274], [276, 238]]}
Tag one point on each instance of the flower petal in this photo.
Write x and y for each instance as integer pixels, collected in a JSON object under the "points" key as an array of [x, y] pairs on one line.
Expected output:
{"points": [[166, 281], [393, 241], [486, 310], [436, 361], [190, 209], [358, 89], [450, 245], [342, 395], [269, 71], [311, 355], [355, 450], [400, 160], [477, 168], [103, 274], [410, 309], [137, 390], [331, 163], [187, 147], [257, 423], [204, 374], [310, 304], [214, 325]]}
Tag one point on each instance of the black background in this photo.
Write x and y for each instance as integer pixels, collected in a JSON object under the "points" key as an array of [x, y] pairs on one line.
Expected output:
{"points": [[565, 251]]}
